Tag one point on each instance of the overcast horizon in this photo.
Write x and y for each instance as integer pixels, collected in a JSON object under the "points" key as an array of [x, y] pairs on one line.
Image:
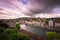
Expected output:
{"points": [[10, 9]]}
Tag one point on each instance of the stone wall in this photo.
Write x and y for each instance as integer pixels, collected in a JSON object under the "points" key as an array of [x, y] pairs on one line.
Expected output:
{"points": [[11, 23]]}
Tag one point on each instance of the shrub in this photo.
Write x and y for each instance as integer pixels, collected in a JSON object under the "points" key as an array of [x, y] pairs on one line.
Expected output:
{"points": [[12, 34], [10, 31], [24, 37], [1, 29], [51, 35], [17, 26], [2, 34], [47, 21], [58, 36]]}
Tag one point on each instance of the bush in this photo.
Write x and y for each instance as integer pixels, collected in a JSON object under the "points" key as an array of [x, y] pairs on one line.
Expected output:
{"points": [[1, 29], [51, 35], [17, 26], [58, 36], [24, 37], [47, 20], [11, 30], [12, 34], [2, 34]]}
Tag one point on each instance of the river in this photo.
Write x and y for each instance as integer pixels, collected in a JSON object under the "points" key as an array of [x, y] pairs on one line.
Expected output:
{"points": [[35, 30]]}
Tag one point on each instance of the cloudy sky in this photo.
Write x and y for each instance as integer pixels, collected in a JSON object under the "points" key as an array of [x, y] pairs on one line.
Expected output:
{"points": [[10, 9]]}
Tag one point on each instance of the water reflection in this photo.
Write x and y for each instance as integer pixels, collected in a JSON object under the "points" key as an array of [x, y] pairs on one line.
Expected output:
{"points": [[35, 30]]}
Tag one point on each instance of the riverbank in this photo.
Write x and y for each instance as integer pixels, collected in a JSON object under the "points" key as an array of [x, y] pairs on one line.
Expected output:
{"points": [[40, 31], [32, 35], [48, 28]]}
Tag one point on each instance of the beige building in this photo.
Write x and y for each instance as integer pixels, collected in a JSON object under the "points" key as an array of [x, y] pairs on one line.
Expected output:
{"points": [[57, 23]]}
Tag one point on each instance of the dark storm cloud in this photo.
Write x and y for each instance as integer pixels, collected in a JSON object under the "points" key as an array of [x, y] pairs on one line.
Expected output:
{"points": [[53, 2], [45, 10], [37, 6], [36, 11], [47, 5], [50, 2], [16, 8]]}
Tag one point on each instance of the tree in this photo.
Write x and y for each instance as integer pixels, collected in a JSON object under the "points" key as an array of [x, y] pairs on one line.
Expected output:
{"points": [[17, 26]]}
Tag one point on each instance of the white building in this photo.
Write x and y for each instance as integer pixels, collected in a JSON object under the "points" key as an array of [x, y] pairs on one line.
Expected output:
{"points": [[50, 23]]}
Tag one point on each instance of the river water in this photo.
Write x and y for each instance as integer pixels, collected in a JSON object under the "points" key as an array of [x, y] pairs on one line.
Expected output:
{"points": [[35, 30]]}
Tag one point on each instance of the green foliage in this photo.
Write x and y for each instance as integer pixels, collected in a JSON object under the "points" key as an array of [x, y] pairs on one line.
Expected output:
{"points": [[10, 31], [2, 34], [24, 37], [1, 29], [17, 26], [58, 35], [47, 21], [56, 18], [51, 35], [12, 34]]}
